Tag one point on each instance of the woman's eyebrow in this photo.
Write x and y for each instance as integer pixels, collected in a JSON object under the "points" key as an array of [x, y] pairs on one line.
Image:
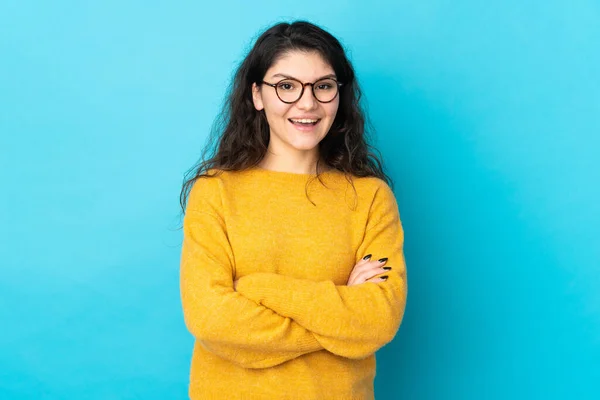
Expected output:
{"points": [[291, 77]]}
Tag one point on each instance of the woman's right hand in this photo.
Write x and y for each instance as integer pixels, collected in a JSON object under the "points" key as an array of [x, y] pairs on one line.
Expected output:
{"points": [[368, 271]]}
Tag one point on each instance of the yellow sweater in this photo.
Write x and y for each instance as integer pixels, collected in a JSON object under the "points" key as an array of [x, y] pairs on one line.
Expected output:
{"points": [[291, 329]]}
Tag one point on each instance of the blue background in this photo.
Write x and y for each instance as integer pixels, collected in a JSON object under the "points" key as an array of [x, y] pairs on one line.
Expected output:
{"points": [[488, 117]]}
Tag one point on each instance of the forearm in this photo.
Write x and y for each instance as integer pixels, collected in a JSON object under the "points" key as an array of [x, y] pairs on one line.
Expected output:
{"points": [[241, 331], [225, 322], [350, 321]]}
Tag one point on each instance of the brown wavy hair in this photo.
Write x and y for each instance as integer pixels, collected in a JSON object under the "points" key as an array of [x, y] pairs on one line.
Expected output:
{"points": [[240, 135]]}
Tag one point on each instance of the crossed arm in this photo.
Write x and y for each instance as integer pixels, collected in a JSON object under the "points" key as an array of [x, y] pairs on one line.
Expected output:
{"points": [[224, 321], [271, 318]]}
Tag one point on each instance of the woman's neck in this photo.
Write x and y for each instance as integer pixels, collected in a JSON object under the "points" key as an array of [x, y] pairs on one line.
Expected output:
{"points": [[295, 167]]}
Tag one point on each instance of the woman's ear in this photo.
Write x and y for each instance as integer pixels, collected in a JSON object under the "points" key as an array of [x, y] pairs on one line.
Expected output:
{"points": [[257, 97]]}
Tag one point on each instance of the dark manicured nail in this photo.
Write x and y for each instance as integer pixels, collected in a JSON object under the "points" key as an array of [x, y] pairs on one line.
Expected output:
{"points": [[383, 259], [367, 257], [384, 277], [387, 268]]}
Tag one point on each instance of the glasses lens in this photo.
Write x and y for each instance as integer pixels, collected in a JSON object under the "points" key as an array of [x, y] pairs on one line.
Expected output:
{"points": [[289, 90], [325, 90]]}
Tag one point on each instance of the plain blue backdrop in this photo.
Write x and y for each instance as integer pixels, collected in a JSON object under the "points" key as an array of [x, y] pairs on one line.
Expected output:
{"points": [[487, 115]]}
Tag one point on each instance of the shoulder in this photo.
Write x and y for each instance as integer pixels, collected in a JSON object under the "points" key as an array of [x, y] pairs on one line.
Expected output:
{"points": [[209, 189], [374, 188], [377, 197], [205, 192]]}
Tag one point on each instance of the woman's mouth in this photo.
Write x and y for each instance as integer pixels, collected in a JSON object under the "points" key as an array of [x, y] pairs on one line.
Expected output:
{"points": [[304, 124]]}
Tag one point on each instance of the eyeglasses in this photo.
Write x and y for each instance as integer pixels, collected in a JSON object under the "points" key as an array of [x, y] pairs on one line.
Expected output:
{"points": [[290, 90]]}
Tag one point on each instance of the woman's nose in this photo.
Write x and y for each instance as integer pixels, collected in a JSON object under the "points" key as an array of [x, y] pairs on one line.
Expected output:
{"points": [[307, 100]]}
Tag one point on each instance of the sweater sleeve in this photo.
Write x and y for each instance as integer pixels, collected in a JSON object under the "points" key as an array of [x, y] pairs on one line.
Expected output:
{"points": [[222, 320], [350, 321]]}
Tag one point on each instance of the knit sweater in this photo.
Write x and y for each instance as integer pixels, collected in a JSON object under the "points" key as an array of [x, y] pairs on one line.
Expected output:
{"points": [[291, 328]]}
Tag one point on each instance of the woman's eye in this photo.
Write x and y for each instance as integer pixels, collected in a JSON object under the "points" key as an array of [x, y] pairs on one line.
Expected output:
{"points": [[286, 86], [324, 86]]}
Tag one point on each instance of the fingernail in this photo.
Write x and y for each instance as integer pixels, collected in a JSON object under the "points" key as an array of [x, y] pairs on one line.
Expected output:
{"points": [[384, 277], [387, 268], [367, 257], [383, 259]]}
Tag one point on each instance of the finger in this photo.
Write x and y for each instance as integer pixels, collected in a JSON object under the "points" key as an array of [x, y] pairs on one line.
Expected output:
{"points": [[369, 273], [365, 270], [378, 279], [359, 265], [369, 263], [364, 260], [374, 264]]}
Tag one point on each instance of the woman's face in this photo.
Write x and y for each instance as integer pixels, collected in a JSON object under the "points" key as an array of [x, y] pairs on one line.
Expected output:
{"points": [[287, 132]]}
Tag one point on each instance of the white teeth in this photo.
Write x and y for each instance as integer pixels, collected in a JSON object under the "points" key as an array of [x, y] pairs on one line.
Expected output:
{"points": [[305, 121]]}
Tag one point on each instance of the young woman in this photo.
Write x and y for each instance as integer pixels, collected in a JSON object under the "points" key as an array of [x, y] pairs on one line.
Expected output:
{"points": [[292, 267]]}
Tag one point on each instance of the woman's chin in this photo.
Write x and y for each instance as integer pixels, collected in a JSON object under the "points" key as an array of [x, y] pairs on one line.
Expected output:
{"points": [[304, 144]]}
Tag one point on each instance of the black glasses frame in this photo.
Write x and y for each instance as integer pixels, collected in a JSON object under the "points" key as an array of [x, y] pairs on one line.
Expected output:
{"points": [[312, 85]]}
